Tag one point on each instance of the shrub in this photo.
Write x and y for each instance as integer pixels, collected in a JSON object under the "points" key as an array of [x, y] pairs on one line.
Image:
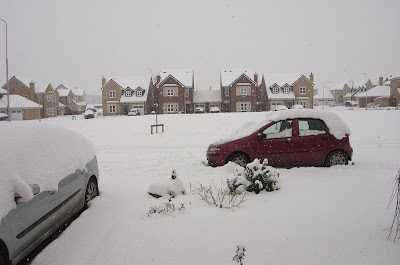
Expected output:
{"points": [[255, 177], [165, 208]]}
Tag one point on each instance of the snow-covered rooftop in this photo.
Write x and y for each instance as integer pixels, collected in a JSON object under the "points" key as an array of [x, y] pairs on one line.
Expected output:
{"points": [[133, 82], [63, 92], [18, 102], [3, 91], [38, 159], [200, 96], [378, 91], [184, 76], [281, 79], [229, 75]]}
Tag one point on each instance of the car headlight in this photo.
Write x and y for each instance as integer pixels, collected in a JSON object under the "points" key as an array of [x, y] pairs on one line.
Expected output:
{"points": [[214, 149]]}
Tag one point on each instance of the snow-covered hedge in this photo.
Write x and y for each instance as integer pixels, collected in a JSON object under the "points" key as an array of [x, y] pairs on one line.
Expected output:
{"points": [[255, 177]]}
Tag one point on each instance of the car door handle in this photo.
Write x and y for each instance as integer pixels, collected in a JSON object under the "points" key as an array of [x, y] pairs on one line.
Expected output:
{"points": [[288, 140]]}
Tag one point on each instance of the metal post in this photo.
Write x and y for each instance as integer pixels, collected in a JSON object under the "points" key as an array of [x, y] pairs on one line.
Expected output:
{"points": [[366, 93], [8, 87]]}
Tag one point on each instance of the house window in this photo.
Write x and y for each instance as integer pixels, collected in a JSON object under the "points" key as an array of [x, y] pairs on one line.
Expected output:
{"points": [[139, 93], [128, 93], [170, 107], [112, 109], [243, 90], [112, 94], [170, 92], [286, 90], [243, 106], [186, 93], [275, 90], [302, 90], [227, 92], [50, 112]]}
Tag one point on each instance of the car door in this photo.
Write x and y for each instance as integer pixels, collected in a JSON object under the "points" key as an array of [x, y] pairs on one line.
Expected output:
{"points": [[311, 141], [275, 143], [71, 191], [33, 218]]}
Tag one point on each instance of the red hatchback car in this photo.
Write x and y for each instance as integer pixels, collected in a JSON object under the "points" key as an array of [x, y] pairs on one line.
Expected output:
{"points": [[287, 138]]}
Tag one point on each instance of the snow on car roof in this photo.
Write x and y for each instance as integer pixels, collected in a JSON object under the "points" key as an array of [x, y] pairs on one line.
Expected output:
{"points": [[38, 154], [336, 125]]}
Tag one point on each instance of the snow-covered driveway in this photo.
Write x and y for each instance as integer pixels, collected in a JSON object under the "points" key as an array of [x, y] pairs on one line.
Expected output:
{"points": [[319, 216]]}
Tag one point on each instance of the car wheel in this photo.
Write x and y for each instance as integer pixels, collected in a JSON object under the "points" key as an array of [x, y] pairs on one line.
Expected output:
{"points": [[337, 158], [92, 191], [240, 159]]}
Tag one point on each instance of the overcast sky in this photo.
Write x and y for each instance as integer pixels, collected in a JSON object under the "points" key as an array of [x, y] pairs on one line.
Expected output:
{"points": [[76, 42]]}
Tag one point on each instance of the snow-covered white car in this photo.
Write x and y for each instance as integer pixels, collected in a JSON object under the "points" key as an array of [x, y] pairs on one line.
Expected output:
{"points": [[133, 112], [297, 106], [89, 114], [279, 107], [46, 177]]}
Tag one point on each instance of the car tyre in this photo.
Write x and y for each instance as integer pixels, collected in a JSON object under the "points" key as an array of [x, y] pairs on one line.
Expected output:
{"points": [[337, 158], [240, 159], [92, 190]]}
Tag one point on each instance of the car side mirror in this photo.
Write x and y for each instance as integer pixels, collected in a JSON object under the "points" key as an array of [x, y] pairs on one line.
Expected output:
{"points": [[261, 136]]}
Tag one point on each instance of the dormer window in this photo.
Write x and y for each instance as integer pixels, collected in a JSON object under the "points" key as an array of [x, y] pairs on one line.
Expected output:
{"points": [[139, 93], [128, 93], [286, 90], [275, 90]]}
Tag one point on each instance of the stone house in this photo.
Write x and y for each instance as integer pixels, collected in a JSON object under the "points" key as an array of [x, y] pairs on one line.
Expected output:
{"points": [[73, 99], [288, 90], [240, 91], [39, 92], [386, 94], [173, 91], [119, 95]]}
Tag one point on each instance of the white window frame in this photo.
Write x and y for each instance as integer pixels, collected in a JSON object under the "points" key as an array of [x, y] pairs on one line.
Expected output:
{"points": [[186, 93], [275, 90], [227, 92], [139, 93], [170, 92], [286, 90], [302, 90], [128, 93], [112, 94]]}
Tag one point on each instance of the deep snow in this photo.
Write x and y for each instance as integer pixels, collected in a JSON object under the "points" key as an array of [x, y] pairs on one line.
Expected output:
{"points": [[334, 215]]}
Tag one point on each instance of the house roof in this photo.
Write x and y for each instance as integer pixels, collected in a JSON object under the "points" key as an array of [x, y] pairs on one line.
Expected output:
{"points": [[184, 76], [133, 82], [229, 75], [134, 98], [18, 102], [338, 86], [281, 79], [378, 91], [3, 91], [63, 92], [200, 96]]}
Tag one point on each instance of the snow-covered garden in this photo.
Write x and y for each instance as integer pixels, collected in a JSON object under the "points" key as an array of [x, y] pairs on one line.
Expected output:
{"points": [[336, 215]]}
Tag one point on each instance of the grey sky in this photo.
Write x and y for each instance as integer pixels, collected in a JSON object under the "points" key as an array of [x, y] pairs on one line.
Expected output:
{"points": [[77, 42]]}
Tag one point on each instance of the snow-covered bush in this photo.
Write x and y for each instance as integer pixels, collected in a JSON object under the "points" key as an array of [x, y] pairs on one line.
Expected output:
{"points": [[255, 177], [172, 186], [219, 196], [165, 208], [239, 254]]}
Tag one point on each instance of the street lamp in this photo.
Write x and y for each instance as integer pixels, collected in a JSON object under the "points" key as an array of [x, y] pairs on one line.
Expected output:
{"points": [[8, 87], [366, 94]]}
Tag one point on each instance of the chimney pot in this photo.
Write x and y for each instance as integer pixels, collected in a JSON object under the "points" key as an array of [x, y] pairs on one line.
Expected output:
{"points": [[312, 77]]}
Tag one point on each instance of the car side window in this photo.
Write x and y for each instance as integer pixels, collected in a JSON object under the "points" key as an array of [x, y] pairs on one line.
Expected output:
{"points": [[280, 129], [309, 127]]}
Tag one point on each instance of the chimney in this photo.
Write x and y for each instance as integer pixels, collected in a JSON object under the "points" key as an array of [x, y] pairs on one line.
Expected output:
{"points": [[256, 78], [381, 80], [103, 81], [312, 77], [158, 79], [32, 86]]}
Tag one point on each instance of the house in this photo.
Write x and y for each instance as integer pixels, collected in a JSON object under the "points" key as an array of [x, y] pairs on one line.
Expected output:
{"points": [[21, 108], [42, 93], [339, 90], [73, 99], [323, 98], [240, 91], [207, 100], [119, 95], [173, 91], [386, 94], [288, 90]]}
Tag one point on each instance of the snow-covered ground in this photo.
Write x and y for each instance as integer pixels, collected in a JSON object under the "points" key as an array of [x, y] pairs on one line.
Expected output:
{"points": [[319, 216]]}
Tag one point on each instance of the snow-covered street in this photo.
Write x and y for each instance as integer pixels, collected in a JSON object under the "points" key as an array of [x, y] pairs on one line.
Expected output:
{"points": [[334, 215]]}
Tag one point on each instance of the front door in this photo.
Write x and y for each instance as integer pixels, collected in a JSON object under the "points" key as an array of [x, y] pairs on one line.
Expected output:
{"points": [[275, 144]]}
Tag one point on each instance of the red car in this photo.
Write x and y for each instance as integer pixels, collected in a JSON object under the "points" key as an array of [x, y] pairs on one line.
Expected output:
{"points": [[287, 138]]}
